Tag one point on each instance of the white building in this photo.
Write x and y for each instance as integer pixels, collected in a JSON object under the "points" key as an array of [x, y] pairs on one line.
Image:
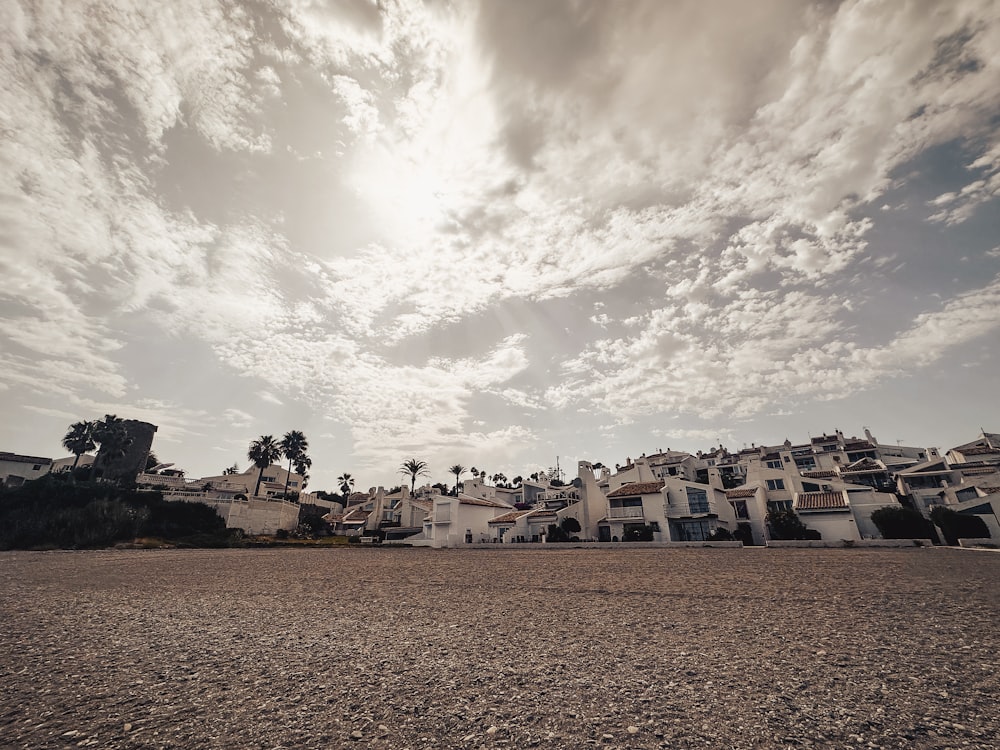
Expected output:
{"points": [[454, 521], [16, 469]]}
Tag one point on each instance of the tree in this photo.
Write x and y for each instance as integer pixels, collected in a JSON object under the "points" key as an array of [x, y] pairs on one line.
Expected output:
{"points": [[458, 470], [415, 469], [112, 435], [263, 451], [500, 480], [293, 447], [152, 461], [570, 525], [302, 466], [475, 472], [517, 480], [79, 439], [346, 482]]}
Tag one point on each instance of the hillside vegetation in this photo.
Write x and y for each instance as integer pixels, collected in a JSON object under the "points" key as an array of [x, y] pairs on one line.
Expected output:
{"points": [[55, 512]]}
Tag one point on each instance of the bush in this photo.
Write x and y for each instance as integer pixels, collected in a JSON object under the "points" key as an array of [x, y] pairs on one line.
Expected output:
{"points": [[570, 525], [638, 534], [957, 526], [902, 523], [785, 524], [744, 533], [556, 534], [54, 513]]}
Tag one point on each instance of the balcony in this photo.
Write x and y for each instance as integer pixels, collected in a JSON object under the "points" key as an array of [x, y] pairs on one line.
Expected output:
{"points": [[630, 511]]}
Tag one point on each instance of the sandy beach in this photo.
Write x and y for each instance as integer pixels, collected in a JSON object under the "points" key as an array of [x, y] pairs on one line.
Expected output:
{"points": [[417, 648]]}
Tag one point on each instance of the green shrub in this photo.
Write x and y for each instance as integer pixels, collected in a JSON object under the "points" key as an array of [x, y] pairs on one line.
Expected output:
{"points": [[902, 523], [638, 534], [53, 512], [785, 524], [957, 526]]}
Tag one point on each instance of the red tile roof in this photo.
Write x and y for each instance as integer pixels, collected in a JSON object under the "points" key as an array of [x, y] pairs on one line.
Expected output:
{"points": [[741, 492], [466, 500], [825, 474], [509, 517], [820, 501], [638, 488]]}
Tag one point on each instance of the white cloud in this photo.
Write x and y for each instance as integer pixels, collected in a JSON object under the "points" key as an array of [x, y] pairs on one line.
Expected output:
{"points": [[463, 157]]}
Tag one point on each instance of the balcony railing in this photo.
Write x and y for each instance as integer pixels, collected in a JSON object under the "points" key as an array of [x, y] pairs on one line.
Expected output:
{"points": [[631, 511]]}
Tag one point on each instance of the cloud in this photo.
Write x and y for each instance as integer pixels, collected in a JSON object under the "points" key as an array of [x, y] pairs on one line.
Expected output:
{"points": [[382, 173], [761, 351], [958, 206]]}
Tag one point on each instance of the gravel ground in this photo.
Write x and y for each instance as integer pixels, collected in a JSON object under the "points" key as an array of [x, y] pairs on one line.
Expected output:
{"points": [[416, 648]]}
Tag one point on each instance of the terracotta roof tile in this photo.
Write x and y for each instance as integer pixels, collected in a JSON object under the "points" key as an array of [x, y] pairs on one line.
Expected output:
{"points": [[509, 517], [825, 474], [820, 501], [741, 492], [638, 488], [466, 500]]}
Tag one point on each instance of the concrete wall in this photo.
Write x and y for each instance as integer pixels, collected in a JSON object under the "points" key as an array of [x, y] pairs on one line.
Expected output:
{"points": [[254, 516], [833, 525]]}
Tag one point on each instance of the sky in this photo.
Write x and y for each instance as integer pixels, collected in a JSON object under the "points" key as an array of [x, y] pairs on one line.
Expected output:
{"points": [[498, 233]]}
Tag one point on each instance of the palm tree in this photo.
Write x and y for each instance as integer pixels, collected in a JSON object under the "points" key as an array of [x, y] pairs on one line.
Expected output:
{"points": [[263, 452], [112, 435], [458, 470], [293, 445], [79, 440], [346, 482], [415, 469], [302, 465]]}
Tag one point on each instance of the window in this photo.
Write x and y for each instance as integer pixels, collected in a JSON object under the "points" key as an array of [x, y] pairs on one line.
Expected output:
{"points": [[776, 484], [773, 464], [697, 500], [810, 487], [774, 506], [740, 508], [36, 467]]}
